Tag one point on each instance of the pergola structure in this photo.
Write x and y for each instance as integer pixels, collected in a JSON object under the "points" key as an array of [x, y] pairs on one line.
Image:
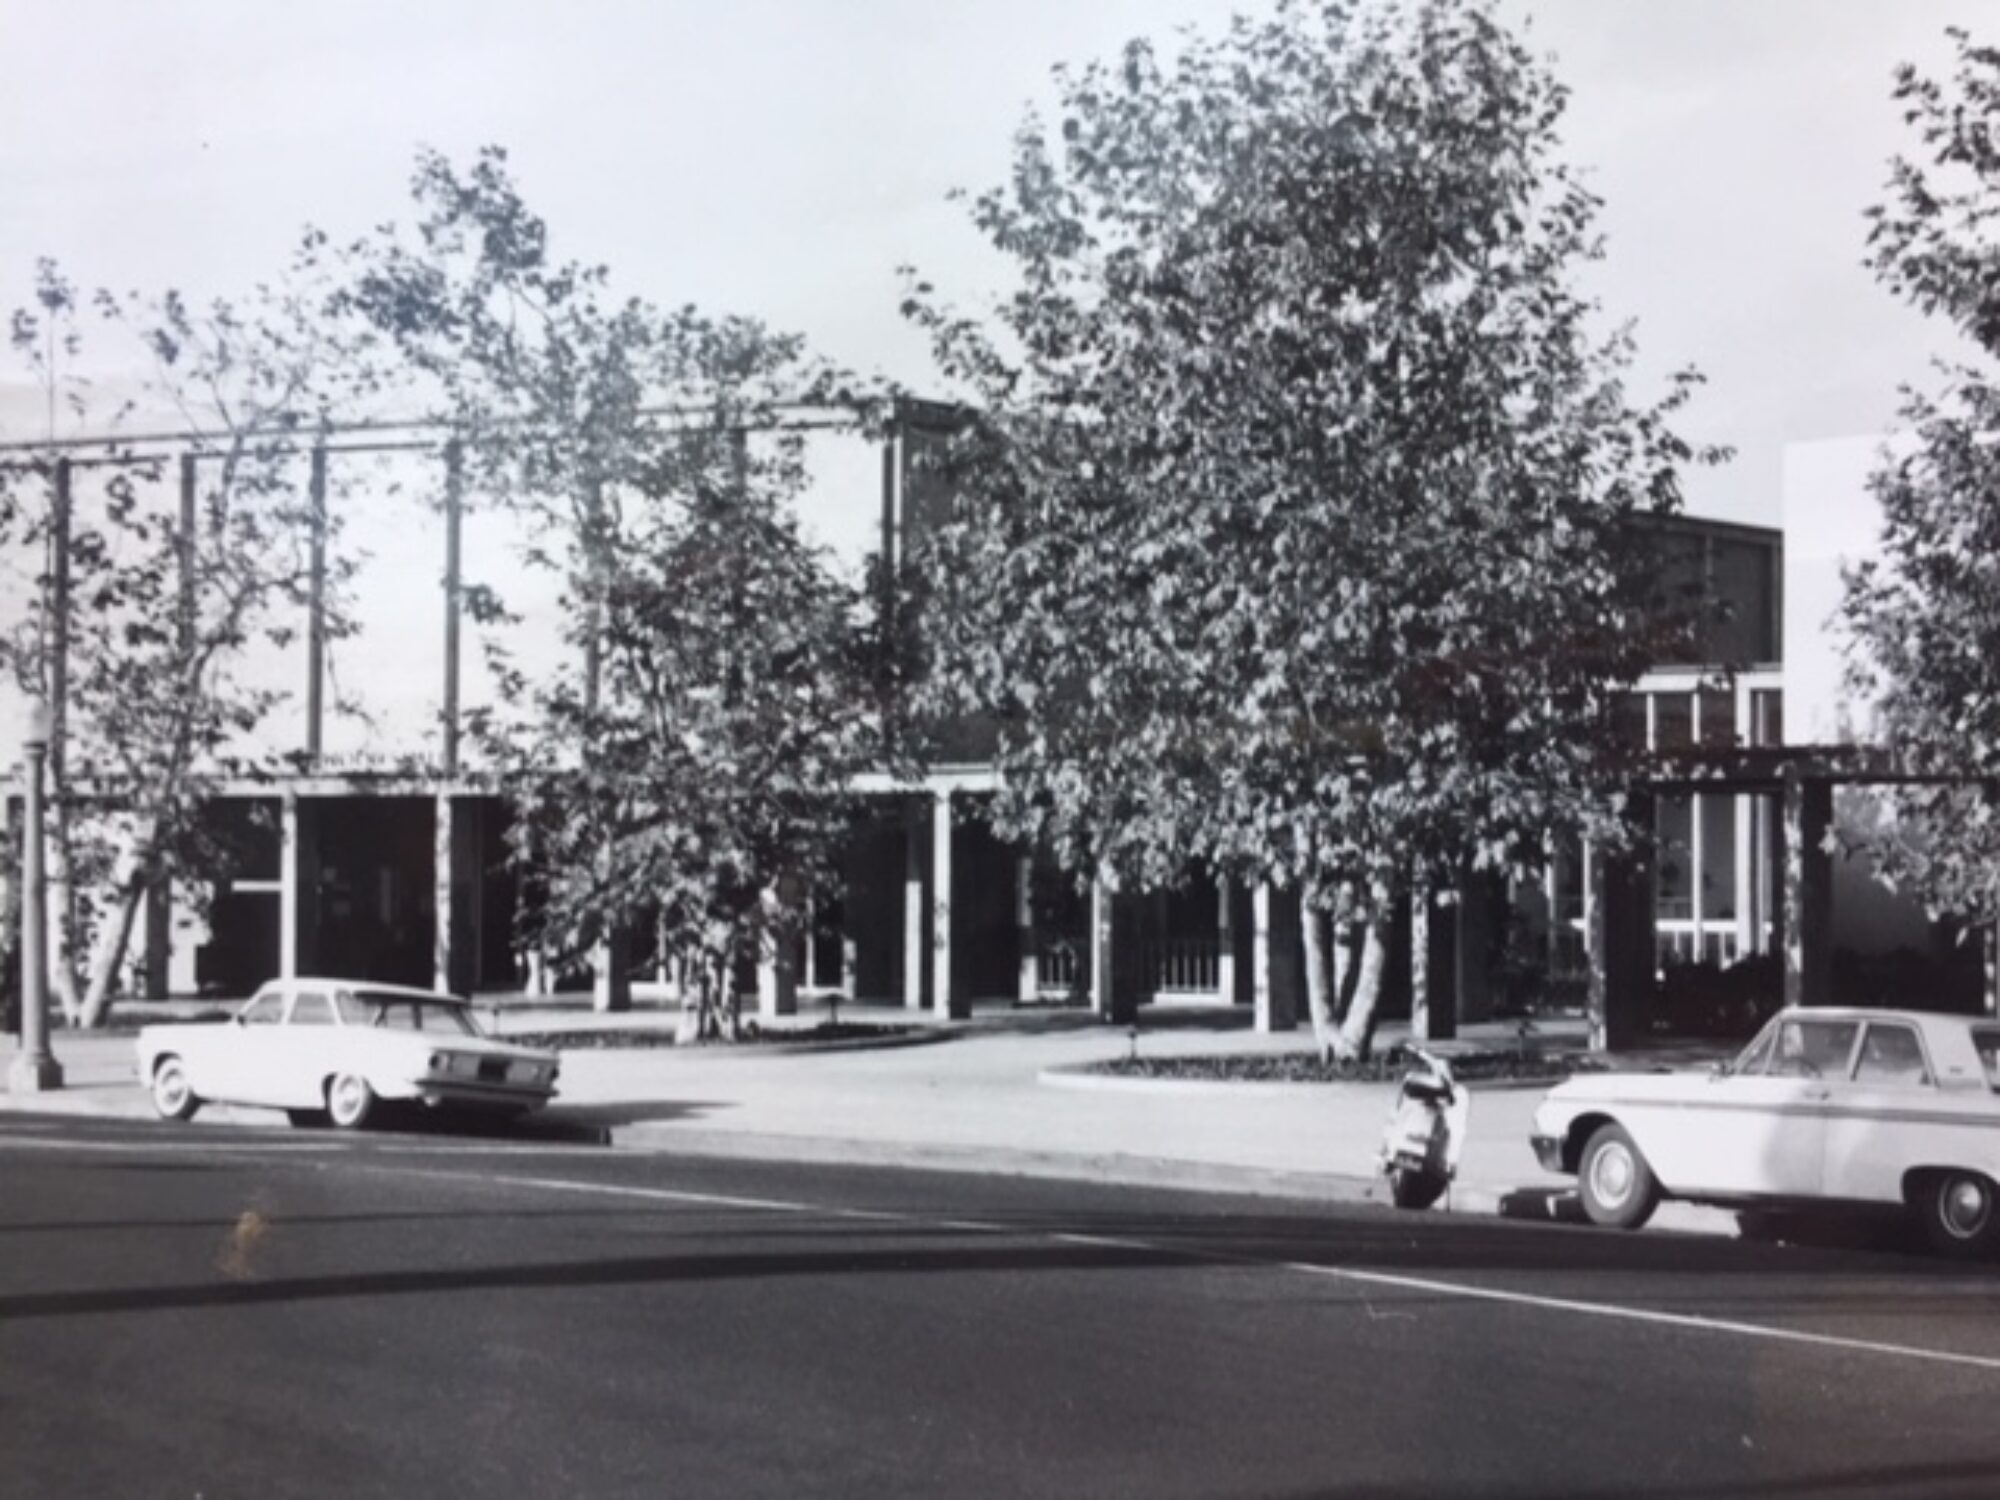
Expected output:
{"points": [[1620, 901]]}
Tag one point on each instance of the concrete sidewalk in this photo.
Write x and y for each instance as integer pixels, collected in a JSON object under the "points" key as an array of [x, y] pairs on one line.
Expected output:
{"points": [[1000, 1095]]}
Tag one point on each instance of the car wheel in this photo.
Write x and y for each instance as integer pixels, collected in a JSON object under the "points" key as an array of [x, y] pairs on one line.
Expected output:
{"points": [[306, 1119], [1619, 1190], [1409, 1189], [172, 1097], [350, 1102], [1960, 1213]]}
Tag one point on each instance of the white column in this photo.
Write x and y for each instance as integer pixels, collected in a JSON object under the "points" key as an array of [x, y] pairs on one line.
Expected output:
{"points": [[944, 1001], [1260, 957], [1225, 945], [777, 980], [913, 908], [1029, 984], [186, 932], [288, 887]]}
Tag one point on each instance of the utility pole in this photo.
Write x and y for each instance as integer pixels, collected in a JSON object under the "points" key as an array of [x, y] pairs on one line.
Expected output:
{"points": [[35, 1071]]}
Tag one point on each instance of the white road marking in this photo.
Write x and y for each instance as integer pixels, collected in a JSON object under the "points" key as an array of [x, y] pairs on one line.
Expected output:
{"points": [[1647, 1315], [1690, 1321], [1643, 1315]]}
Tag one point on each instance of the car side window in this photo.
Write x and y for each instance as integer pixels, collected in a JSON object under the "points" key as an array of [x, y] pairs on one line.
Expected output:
{"points": [[354, 1011], [312, 1008], [1814, 1049], [268, 1009], [1986, 1042], [1892, 1054]]}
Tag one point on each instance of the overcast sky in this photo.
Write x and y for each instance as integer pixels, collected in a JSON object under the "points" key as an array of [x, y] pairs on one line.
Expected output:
{"points": [[783, 157]]}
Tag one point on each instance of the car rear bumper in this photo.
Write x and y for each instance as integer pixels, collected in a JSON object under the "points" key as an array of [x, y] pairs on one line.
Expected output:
{"points": [[1549, 1152]]}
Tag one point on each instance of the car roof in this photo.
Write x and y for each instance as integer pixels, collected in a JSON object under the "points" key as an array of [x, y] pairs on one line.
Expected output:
{"points": [[398, 991], [1926, 1018]]}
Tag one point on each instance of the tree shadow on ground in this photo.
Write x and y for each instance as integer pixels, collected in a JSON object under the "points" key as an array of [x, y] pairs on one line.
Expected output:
{"points": [[562, 1124]]}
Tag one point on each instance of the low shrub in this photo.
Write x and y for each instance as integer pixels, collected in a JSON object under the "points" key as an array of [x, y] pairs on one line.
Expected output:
{"points": [[639, 1038], [1308, 1067]]}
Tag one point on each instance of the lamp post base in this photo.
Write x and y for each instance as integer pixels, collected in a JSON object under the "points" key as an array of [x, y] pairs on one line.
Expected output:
{"points": [[34, 1075]]}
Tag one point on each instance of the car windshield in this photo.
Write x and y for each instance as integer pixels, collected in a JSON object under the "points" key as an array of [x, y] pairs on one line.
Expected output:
{"points": [[406, 1013], [1753, 1057]]}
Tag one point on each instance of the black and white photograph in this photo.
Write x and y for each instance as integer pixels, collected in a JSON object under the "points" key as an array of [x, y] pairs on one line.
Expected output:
{"points": [[1177, 749]]}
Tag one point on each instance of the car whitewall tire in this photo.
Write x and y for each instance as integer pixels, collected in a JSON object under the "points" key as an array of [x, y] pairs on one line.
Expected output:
{"points": [[1960, 1213], [1618, 1189], [173, 1098], [349, 1101]]}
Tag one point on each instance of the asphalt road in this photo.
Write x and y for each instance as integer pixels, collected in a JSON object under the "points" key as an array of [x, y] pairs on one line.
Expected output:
{"points": [[223, 1312]]}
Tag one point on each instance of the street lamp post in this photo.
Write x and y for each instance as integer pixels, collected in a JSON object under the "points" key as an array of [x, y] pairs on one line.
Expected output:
{"points": [[35, 1071]]}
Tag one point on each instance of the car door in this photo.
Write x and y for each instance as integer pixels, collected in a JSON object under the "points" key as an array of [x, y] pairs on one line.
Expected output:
{"points": [[1885, 1116], [298, 1061], [245, 1055], [1760, 1131]]}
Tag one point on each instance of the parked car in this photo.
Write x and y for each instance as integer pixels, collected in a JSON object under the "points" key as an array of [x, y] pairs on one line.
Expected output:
{"points": [[1862, 1108], [334, 1049]]}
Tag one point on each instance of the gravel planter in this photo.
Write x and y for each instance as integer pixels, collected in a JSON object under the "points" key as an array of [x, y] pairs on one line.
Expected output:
{"points": [[1308, 1067], [753, 1036]]}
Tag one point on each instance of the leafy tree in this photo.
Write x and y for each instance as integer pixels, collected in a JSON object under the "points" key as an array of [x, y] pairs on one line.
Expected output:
{"points": [[690, 768], [1293, 533], [1924, 615], [147, 669]]}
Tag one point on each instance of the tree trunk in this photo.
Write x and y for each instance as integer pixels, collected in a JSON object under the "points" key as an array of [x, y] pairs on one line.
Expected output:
{"points": [[694, 1001], [728, 1001], [60, 909], [1320, 987], [111, 944], [1357, 1033]]}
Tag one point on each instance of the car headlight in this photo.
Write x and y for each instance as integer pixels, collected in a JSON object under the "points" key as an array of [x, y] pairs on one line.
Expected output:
{"points": [[440, 1062]]}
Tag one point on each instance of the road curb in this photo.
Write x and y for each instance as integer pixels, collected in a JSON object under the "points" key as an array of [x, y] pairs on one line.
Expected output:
{"points": [[1078, 1076], [1109, 1167]]}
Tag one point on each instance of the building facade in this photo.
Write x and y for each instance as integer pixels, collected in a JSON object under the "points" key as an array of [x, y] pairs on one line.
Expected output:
{"points": [[390, 862]]}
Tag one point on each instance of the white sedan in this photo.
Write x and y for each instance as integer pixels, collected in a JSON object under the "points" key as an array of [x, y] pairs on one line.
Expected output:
{"points": [[332, 1049], [1852, 1107]]}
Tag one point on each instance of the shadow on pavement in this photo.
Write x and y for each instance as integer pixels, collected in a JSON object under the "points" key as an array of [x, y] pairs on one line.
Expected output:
{"points": [[1711, 1278], [1823, 1229], [568, 1124]]}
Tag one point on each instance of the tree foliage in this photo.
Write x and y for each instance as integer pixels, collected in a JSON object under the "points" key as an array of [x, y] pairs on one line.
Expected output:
{"points": [[1924, 614], [1293, 534], [687, 769], [150, 672]]}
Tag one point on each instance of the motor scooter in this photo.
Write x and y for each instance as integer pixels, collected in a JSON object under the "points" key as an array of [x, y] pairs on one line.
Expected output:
{"points": [[1426, 1131]]}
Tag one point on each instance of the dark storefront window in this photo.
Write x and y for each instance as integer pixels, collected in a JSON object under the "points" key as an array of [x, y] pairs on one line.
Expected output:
{"points": [[1767, 717], [1675, 832], [1718, 717], [1673, 721], [1718, 858]]}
